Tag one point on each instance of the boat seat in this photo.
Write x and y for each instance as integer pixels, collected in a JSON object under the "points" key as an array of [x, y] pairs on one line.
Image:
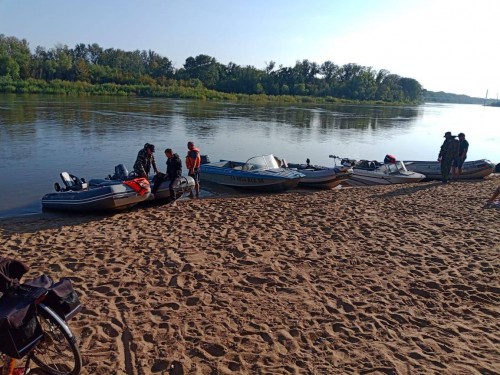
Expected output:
{"points": [[72, 183], [238, 167]]}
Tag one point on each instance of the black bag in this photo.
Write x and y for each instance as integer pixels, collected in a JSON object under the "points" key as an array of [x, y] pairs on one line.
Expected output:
{"points": [[20, 330], [63, 299]]}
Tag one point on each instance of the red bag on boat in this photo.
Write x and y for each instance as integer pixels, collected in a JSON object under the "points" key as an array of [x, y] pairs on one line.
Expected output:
{"points": [[140, 185]]}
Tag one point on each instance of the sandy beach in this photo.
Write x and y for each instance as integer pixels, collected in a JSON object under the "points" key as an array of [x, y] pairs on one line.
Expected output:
{"points": [[401, 279]]}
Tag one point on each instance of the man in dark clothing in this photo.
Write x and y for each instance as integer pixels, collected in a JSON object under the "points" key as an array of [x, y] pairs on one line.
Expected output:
{"points": [[448, 152], [458, 162], [145, 159], [174, 170]]}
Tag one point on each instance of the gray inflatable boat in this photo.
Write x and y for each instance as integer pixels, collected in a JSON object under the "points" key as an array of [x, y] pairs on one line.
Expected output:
{"points": [[98, 195]]}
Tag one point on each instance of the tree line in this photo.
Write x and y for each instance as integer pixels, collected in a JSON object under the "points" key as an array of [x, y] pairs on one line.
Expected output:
{"points": [[91, 64]]}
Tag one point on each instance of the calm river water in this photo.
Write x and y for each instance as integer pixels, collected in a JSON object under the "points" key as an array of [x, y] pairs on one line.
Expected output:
{"points": [[40, 136]]}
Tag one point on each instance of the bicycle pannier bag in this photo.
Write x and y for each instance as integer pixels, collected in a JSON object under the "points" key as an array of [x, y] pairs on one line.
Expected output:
{"points": [[20, 330], [63, 299]]}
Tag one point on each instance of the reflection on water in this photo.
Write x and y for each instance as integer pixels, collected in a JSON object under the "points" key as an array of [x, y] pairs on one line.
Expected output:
{"points": [[41, 136]]}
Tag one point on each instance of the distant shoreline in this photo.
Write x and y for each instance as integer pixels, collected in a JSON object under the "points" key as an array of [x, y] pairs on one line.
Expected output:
{"points": [[60, 87]]}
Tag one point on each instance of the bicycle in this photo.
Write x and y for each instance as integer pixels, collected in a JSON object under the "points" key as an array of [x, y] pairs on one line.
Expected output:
{"points": [[33, 320]]}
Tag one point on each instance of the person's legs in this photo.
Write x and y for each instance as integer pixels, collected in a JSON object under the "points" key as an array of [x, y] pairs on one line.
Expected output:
{"points": [[496, 193], [197, 184], [172, 192], [445, 170], [443, 174], [454, 168], [460, 167], [157, 180], [196, 178]]}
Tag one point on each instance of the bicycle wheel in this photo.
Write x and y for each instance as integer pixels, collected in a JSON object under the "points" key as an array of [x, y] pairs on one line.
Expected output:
{"points": [[57, 353]]}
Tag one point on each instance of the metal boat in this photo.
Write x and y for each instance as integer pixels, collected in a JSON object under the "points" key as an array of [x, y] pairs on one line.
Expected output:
{"points": [[367, 173], [98, 195], [470, 170], [260, 173], [317, 176]]}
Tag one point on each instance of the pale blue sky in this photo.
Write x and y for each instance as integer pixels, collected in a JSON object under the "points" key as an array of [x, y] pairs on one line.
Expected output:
{"points": [[448, 45]]}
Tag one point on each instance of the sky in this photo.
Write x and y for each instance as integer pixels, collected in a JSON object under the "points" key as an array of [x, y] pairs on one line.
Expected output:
{"points": [[446, 45]]}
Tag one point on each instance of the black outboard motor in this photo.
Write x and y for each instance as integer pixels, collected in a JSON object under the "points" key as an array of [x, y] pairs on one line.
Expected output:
{"points": [[389, 159], [121, 173]]}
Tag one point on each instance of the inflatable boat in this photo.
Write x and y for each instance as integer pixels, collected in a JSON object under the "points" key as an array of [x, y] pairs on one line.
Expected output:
{"points": [[97, 195], [183, 184], [471, 169]]}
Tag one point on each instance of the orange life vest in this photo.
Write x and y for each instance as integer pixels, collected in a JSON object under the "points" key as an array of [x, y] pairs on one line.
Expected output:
{"points": [[193, 159], [140, 185]]}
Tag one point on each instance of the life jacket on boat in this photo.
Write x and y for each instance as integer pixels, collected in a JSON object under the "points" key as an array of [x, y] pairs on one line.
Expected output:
{"points": [[140, 185]]}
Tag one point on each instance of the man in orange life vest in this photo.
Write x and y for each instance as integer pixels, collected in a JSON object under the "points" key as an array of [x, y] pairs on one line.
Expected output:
{"points": [[193, 161]]}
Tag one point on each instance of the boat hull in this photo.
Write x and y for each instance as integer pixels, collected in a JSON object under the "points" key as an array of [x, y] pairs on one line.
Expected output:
{"points": [[320, 177], [368, 178], [183, 184], [105, 198], [471, 169]]}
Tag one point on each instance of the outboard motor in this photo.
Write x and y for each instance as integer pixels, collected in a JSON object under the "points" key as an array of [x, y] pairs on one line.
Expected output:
{"points": [[205, 159], [121, 173], [389, 159], [346, 162]]}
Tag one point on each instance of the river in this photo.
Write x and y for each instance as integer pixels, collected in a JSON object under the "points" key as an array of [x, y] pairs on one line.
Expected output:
{"points": [[40, 136]]}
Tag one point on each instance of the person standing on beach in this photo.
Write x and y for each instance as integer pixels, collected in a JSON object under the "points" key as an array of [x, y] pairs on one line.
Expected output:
{"points": [[496, 193], [174, 171], [145, 159], [193, 162], [463, 147], [448, 152]]}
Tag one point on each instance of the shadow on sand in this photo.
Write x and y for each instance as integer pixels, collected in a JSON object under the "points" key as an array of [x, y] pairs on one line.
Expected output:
{"points": [[408, 190]]}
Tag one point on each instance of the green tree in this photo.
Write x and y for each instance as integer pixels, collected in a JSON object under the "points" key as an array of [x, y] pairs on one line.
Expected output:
{"points": [[82, 71], [202, 67], [412, 90], [14, 57]]}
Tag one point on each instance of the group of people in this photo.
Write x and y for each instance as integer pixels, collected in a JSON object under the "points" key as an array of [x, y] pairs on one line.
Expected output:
{"points": [[145, 160], [452, 156]]}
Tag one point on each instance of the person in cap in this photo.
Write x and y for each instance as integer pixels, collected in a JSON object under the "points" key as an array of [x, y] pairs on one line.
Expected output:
{"points": [[458, 162], [145, 159], [193, 162], [447, 153]]}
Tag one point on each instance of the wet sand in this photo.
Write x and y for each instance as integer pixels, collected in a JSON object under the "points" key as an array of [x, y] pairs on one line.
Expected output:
{"points": [[380, 280]]}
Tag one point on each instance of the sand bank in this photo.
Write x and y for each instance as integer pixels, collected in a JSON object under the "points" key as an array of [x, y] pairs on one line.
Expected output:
{"points": [[381, 280]]}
